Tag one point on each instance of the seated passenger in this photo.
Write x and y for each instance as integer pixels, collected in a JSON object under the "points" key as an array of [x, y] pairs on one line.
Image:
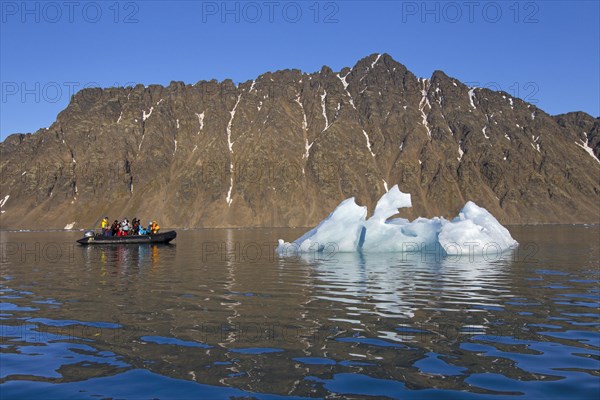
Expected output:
{"points": [[115, 228], [135, 227], [154, 228]]}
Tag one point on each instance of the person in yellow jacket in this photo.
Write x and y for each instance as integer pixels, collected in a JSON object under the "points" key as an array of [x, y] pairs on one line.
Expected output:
{"points": [[154, 227], [104, 225]]}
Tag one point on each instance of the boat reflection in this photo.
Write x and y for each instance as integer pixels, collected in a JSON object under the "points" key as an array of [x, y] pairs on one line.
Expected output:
{"points": [[122, 258]]}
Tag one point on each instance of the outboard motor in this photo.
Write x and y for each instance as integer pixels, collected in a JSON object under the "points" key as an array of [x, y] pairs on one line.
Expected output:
{"points": [[89, 234]]}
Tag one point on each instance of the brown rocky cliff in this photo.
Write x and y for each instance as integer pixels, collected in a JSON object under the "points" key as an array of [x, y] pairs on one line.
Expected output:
{"points": [[286, 148]]}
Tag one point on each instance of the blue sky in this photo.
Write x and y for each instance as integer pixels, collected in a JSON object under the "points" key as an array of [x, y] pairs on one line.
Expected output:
{"points": [[546, 52]]}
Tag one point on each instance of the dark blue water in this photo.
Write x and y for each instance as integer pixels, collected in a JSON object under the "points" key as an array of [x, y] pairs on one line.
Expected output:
{"points": [[219, 315]]}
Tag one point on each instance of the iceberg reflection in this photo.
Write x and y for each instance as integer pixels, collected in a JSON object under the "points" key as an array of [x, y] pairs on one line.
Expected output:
{"points": [[399, 284]]}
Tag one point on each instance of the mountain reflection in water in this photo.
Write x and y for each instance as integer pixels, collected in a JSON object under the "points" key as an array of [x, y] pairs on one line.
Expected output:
{"points": [[219, 314]]}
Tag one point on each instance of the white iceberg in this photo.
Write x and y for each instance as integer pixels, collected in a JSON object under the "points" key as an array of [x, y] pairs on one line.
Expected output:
{"points": [[474, 231]]}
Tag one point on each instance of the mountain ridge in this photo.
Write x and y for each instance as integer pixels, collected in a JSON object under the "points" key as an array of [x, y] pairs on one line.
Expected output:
{"points": [[285, 148]]}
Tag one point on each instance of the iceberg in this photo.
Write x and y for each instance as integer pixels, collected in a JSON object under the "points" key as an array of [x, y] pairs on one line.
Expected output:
{"points": [[347, 229]]}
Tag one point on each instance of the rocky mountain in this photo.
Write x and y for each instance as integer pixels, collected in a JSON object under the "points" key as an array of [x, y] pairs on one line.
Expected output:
{"points": [[286, 148]]}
